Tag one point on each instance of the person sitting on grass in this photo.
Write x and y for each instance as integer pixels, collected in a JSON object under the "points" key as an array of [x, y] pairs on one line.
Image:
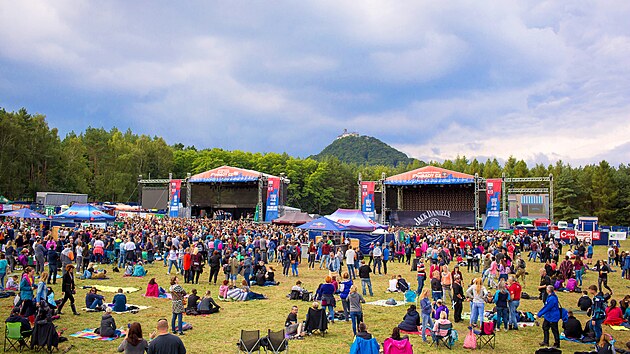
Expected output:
{"points": [[12, 284], [87, 273], [133, 342], [193, 299], [411, 321], [572, 327], [207, 305], [120, 301], [94, 301], [614, 315], [292, 327], [128, 270], [393, 285], [223, 289], [401, 284], [138, 270], [153, 290], [250, 295], [108, 325]]}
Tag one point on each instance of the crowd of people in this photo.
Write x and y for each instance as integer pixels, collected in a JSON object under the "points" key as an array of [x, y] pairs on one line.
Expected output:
{"points": [[246, 254]]}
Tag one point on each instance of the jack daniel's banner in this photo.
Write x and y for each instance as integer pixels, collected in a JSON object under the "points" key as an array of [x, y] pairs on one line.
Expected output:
{"points": [[433, 218]]}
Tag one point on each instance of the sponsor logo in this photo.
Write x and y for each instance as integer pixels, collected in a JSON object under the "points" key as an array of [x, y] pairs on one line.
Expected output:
{"points": [[429, 175], [225, 172], [430, 215]]}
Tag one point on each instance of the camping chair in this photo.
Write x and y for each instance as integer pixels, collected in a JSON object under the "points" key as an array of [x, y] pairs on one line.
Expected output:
{"points": [[295, 295], [437, 339], [13, 336], [45, 337], [316, 320], [276, 342], [486, 336], [249, 342]]}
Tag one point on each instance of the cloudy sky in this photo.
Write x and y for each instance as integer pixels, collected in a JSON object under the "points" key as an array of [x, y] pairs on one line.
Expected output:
{"points": [[540, 80]]}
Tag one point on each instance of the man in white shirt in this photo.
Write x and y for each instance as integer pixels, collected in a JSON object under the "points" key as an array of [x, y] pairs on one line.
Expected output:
{"points": [[350, 256], [377, 254]]}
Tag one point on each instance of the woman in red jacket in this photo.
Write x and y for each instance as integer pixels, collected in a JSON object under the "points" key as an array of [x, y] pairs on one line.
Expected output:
{"points": [[614, 316]]}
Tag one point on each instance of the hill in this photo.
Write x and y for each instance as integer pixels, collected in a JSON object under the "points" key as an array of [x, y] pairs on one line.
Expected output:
{"points": [[363, 150]]}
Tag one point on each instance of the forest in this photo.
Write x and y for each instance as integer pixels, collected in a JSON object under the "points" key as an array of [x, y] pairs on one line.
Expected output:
{"points": [[106, 164]]}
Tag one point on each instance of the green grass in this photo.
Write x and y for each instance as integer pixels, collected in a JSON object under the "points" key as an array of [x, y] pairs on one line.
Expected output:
{"points": [[218, 333]]}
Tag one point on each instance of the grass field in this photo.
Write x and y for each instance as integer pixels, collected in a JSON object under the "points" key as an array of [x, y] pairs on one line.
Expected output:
{"points": [[218, 333]]}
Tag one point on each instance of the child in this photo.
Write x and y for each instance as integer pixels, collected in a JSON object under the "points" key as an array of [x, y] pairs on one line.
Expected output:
{"points": [[223, 289], [12, 283]]}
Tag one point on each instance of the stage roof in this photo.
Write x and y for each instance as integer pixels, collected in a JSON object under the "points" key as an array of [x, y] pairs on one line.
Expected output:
{"points": [[228, 174], [429, 175]]}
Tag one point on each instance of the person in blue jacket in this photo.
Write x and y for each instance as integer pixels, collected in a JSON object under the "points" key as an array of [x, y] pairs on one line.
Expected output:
{"points": [[364, 343], [386, 257], [120, 302], [26, 292], [551, 313]]}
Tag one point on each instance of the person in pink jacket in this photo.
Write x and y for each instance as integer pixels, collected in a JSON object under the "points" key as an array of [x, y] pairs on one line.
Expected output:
{"points": [[397, 344]]}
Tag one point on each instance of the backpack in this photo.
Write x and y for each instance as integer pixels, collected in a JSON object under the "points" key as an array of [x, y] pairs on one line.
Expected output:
{"points": [[454, 337], [470, 342]]}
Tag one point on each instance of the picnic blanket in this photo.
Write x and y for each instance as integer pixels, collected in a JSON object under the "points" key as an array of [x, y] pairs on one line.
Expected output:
{"points": [[526, 324], [139, 307], [427, 332], [89, 334], [619, 328], [563, 337], [113, 289], [161, 296], [383, 303]]}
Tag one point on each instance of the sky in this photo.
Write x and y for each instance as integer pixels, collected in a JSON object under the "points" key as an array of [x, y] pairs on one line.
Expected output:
{"points": [[539, 80]]}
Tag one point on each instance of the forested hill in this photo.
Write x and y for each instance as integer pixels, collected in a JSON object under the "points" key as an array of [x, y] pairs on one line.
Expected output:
{"points": [[364, 150]]}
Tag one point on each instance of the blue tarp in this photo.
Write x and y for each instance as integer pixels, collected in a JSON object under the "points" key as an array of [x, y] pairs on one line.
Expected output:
{"points": [[323, 224], [366, 239], [84, 212], [24, 213]]}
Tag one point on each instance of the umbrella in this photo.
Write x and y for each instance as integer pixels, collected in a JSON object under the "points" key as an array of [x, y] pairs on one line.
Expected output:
{"points": [[24, 213]]}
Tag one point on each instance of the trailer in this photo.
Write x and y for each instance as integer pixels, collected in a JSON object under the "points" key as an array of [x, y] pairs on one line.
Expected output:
{"points": [[58, 199]]}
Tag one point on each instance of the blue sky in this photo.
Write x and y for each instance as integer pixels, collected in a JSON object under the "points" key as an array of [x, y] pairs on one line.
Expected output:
{"points": [[540, 80]]}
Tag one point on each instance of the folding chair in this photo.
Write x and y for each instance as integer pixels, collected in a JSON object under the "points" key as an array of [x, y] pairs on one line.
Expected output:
{"points": [[442, 339], [276, 342], [316, 320], [249, 342], [486, 337], [13, 336]]}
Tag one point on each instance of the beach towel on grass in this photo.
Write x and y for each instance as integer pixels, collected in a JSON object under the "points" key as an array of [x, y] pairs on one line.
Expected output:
{"points": [[427, 332], [138, 308], [89, 334], [161, 296], [113, 289], [619, 328], [383, 303], [563, 337], [526, 324]]}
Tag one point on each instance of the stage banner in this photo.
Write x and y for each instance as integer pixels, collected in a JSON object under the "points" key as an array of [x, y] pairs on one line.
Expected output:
{"points": [[433, 218], [273, 188], [367, 199], [493, 209], [174, 199]]}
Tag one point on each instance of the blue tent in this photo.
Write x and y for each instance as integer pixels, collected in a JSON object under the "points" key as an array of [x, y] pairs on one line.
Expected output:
{"points": [[323, 224], [24, 213], [84, 212]]}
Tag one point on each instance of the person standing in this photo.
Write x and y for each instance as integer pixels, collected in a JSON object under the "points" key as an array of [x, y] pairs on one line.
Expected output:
{"points": [[598, 310], [422, 276], [551, 313], [215, 265], [477, 293], [364, 275], [458, 298], [356, 312], [350, 256], [515, 290], [163, 342], [425, 312], [377, 254], [178, 293], [386, 257], [68, 289], [53, 263], [501, 299], [344, 291], [603, 270], [40, 258]]}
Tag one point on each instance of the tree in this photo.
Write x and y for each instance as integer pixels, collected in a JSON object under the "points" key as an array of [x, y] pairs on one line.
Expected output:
{"points": [[565, 196]]}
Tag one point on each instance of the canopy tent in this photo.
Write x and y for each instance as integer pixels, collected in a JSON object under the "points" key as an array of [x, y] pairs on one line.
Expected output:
{"points": [[355, 220], [24, 213], [84, 212], [4, 200], [293, 219], [323, 224], [429, 175], [228, 174]]}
